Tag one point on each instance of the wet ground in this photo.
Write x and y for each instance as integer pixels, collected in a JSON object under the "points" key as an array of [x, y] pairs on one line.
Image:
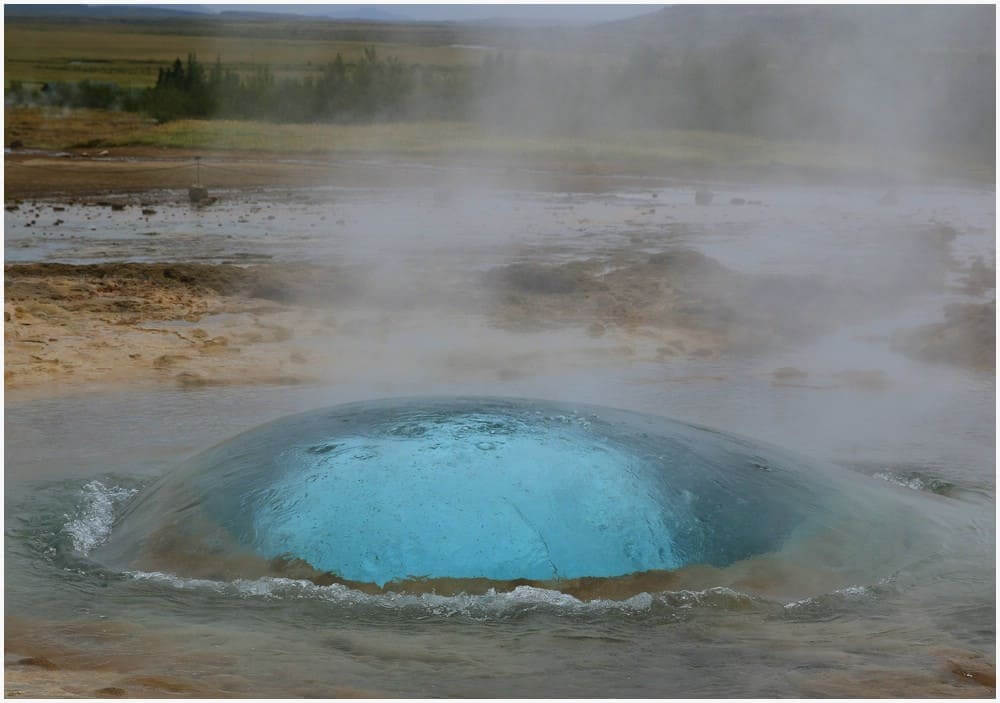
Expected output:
{"points": [[833, 388]]}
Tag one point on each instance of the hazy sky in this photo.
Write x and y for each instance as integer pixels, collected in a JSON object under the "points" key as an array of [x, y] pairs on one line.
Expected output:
{"points": [[561, 14]]}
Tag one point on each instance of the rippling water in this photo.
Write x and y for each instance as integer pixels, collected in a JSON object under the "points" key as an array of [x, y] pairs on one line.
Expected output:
{"points": [[903, 589]]}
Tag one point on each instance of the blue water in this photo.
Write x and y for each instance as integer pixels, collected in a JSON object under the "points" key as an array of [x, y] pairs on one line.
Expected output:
{"points": [[487, 488], [467, 494]]}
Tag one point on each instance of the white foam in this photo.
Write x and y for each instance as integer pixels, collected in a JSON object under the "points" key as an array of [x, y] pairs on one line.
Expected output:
{"points": [[911, 482], [176, 581], [847, 594], [490, 604], [95, 515]]}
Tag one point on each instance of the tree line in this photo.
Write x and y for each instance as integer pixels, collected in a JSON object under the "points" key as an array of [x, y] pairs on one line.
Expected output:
{"points": [[371, 88]]}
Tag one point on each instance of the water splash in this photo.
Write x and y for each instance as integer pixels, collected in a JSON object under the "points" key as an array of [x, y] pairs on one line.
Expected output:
{"points": [[95, 515], [492, 604]]}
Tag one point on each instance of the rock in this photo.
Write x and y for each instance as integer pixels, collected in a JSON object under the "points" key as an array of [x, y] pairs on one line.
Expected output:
{"points": [[197, 194], [12, 208], [703, 197], [16, 144], [789, 373], [117, 207], [148, 211]]}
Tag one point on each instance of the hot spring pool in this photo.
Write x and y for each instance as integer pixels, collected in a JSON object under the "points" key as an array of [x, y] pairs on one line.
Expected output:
{"points": [[399, 492]]}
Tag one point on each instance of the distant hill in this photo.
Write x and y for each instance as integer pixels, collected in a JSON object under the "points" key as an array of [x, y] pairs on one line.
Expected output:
{"points": [[107, 12], [966, 27], [364, 13], [359, 13]]}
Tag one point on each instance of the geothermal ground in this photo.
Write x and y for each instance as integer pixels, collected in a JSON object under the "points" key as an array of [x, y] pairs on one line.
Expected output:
{"points": [[850, 324]]}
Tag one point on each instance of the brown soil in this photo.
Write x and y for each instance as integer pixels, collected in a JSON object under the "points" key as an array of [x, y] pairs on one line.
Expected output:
{"points": [[81, 173]]}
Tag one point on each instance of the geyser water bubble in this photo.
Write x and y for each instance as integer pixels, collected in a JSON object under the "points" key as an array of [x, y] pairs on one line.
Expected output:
{"points": [[483, 488]]}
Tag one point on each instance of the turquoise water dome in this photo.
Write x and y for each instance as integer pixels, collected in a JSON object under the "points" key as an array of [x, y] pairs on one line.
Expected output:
{"points": [[483, 488]]}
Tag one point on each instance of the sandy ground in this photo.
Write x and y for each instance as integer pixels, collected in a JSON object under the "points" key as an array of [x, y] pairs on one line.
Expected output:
{"points": [[71, 327]]}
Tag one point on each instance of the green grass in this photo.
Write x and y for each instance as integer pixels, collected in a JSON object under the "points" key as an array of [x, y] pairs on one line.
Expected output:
{"points": [[637, 150], [130, 57]]}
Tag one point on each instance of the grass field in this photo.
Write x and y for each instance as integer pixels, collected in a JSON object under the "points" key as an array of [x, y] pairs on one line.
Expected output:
{"points": [[129, 56], [639, 151]]}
